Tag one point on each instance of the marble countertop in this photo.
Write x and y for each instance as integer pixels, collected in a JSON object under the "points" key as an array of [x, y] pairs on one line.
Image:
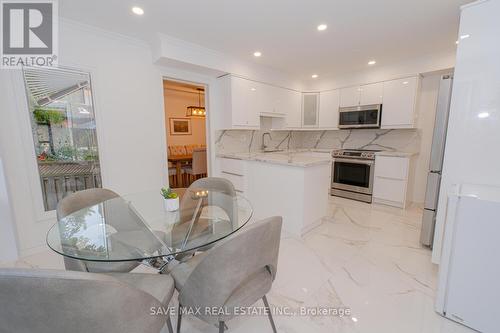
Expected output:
{"points": [[297, 158]]}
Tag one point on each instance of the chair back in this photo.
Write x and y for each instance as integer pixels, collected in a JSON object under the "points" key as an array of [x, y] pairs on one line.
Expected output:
{"points": [[229, 265], [81, 199], [191, 148], [176, 150], [51, 301], [199, 165]]}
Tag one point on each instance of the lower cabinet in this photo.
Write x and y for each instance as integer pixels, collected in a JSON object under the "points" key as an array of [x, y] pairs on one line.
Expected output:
{"points": [[392, 182]]}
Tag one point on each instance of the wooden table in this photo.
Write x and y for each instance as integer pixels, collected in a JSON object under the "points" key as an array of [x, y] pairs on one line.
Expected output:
{"points": [[178, 160]]}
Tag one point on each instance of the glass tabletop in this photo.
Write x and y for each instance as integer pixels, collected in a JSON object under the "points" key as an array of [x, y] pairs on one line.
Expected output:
{"points": [[138, 227]]}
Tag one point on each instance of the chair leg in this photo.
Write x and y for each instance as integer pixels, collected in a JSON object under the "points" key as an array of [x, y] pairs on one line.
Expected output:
{"points": [[221, 326], [179, 319], [266, 304], [169, 325]]}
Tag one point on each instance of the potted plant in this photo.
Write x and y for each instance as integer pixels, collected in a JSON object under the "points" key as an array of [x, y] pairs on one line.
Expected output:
{"points": [[170, 199]]}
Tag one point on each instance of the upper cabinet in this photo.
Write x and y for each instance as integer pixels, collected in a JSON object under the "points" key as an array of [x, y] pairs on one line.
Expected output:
{"points": [[242, 102], [310, 107], [329, 109], [292, 108], [350, 96], [245, 101], [371, 94], [400, 103], [362, 95]]}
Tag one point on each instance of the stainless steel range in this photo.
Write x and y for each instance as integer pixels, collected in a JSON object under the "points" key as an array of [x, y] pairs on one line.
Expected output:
{"points": [[352, 174]]}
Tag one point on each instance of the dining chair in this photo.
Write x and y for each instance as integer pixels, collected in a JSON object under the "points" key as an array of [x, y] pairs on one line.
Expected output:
{"points": [[199, 165], [226, 202], [237, 272], [53, 301], [176, 150], [79, 200], [191, 148], [172, 175]]}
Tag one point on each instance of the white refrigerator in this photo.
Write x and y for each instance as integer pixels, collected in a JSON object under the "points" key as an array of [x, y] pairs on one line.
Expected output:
{"points": [[466, 240]]}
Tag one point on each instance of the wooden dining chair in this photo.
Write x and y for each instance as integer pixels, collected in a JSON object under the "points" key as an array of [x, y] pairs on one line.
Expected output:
{"points": [[176, 150]]}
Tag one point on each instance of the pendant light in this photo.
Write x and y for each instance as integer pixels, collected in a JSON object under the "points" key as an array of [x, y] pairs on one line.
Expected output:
{"points": [[196, 111]]}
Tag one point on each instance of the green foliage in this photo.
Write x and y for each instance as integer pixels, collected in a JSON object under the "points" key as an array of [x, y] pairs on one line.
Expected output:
{"points": [[167, 193], [48, 116]]}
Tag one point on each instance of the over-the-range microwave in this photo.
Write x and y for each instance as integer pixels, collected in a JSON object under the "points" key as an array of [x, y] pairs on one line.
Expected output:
{"points": [[363, 116]]}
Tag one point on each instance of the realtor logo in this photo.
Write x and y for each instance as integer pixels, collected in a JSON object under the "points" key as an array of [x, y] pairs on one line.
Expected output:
{"points": [[29, 33]]}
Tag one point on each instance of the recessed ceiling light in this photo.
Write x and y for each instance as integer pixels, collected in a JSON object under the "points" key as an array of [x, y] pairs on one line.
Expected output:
{"points": [[257, 54], [372, 62], [405, 82], [483, 115], [314, 76], [137, 10], [322, 27], [464, 36], [253, 89], [456, 42]]}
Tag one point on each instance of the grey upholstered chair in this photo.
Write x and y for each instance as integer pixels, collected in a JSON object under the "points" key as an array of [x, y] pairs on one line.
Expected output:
{"points": [[198, 166], [226, 202], [51, 301], [236, 272], [80, 200]]}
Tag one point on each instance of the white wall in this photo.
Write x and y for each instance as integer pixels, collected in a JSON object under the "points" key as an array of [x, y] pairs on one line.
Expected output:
{"points": [[130, 121], [176, 102], [8, 242]]}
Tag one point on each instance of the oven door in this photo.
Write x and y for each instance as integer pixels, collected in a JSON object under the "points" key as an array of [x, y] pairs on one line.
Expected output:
{"points": [[353, 175], [367, 116]]}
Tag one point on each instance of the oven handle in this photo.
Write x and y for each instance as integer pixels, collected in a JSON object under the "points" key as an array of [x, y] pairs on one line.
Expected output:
{"points": [[354, 161]]}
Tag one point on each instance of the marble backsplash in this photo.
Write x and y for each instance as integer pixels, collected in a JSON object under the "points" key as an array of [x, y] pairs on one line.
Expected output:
{"points": [[235, 141]]}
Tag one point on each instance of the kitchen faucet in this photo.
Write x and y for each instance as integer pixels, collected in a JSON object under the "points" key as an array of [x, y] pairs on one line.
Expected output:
{"points": [[263, 147]]}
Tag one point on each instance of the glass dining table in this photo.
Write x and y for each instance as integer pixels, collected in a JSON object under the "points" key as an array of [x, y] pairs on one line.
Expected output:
{"points": [[137, 227]]}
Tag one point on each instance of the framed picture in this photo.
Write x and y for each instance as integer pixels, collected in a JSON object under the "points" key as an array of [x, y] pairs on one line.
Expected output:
{"points": [[180, 126]]}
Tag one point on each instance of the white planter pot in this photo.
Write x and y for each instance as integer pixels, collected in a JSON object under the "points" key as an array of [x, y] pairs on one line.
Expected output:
{"points": [[171, 205]]}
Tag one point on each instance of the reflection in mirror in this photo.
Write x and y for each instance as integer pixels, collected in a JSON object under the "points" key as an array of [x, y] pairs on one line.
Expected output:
{"points": [[64, 131]]}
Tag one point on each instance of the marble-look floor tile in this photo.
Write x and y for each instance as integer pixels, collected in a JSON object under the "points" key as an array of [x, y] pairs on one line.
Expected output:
{"points": [[363, 257]]}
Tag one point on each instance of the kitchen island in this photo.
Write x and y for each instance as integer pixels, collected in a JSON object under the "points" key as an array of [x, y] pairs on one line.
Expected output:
{"points": [[292, 184]]}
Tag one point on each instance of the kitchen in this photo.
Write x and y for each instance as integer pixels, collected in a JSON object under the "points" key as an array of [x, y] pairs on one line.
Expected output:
{"points": [[369, 127], [372, 131]]}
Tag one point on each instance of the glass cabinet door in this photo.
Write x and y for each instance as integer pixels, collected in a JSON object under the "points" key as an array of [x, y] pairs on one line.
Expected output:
{"points": [[310, 103]]}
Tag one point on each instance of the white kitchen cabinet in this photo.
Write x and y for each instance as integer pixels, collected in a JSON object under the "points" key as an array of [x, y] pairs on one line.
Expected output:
{"points": [[400, 103], [292, 109], [310, 108], [371, 94], [329, 109], [393, 178], [242, 102], [366, 94], [350, 96]]}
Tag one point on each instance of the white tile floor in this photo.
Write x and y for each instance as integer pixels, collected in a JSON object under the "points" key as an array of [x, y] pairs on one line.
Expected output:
{"points": [[363, 257]]}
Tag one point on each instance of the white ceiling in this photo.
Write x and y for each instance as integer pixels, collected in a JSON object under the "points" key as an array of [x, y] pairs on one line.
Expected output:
{"points": [[285, 30]]}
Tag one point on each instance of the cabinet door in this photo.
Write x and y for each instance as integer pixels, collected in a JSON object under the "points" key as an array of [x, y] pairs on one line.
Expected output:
{"points": [[392, 167], [246, 99], [371, 93], [350, 96], [398, 109], [293, 109], [329, 109], [389, 189], [310, 109]]}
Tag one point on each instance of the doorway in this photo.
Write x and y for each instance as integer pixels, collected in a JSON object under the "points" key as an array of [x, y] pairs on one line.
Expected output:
{"points": [[185, 123]]}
